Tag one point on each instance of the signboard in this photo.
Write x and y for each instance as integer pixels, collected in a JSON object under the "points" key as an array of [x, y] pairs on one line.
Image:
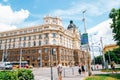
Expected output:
{"points": [[84, 38]]}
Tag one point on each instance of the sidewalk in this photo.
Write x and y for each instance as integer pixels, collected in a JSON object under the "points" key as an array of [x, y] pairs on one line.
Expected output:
{"points": [[75, 77]]}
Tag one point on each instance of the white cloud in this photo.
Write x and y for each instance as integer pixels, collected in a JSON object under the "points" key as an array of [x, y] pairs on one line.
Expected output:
{"points": [[93, 8], [10, 18], [101, 30], [5, 27]]}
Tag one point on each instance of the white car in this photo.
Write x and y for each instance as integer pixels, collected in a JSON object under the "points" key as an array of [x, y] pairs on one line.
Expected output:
{"points": [[5, 65]]}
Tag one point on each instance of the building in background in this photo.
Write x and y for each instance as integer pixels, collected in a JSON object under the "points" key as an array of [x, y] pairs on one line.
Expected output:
{"points": [[109, 47], [36, 43]]}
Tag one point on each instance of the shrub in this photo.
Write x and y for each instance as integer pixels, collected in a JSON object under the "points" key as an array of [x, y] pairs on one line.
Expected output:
{"points": [[20, 74]]}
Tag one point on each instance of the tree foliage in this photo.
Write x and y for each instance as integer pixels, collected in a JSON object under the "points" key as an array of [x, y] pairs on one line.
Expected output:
{"points": [[115, 16], [113, 55]]}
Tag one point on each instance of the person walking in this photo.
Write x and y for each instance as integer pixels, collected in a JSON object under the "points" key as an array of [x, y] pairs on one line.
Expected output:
{"points": [[59, 70], [79, 69], [83, 69], [113, 66]]}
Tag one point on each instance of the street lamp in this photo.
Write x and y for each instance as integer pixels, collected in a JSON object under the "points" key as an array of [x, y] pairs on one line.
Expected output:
{"points": [[20, 54], [87, 47], [52, 52], [3, 56], [40, 57]]}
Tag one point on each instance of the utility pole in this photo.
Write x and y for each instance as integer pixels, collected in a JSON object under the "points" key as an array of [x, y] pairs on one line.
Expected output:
{"points": [[104, 64], [87, 47]]}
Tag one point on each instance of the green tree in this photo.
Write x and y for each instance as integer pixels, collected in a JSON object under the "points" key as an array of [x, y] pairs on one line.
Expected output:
{"points": [[113, 55], [115, 16]]}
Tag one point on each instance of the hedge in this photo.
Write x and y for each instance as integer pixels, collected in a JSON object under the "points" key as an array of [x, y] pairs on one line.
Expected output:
{"points": [[19, 74]]}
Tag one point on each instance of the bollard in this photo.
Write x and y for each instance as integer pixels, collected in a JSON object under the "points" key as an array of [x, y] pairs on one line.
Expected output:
{"points": [[72, 71]]}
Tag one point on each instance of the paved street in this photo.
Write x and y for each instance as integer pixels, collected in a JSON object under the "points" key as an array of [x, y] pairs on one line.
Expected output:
{"points": [[68, 74]]}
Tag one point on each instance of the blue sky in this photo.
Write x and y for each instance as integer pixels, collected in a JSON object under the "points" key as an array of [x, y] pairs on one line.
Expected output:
{"points": [[24, 13], [97, 11]]}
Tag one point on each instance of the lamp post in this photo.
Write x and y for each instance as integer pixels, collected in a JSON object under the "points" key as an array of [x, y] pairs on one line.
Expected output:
{"points": [[87, 47], [40, 57], [93, 57], [20, 54], [52, 52]]}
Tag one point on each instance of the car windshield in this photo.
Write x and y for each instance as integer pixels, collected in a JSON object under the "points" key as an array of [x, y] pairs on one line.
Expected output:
{"points": [[7, 64]]}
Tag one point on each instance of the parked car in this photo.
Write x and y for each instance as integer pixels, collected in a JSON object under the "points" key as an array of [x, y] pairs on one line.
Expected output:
{"points": [[5, 65]]}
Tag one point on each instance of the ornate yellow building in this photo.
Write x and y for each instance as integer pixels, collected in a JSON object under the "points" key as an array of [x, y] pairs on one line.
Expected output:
{"points": [[109, 47], [40, 45]]}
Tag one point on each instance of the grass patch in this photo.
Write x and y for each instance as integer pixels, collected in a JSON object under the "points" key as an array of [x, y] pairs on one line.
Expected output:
{"points": [[104, 77], [110, 70]]}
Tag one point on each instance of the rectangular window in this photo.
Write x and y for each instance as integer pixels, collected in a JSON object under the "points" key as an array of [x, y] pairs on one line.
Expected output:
{"points": [[40, 36], [35, 30], [15, 33], [29, 38], [39, 43], [10, 40], [54, 35], [46, 42], [14, 39], [24, 38], [20, 32], [46, 35], [25, 31], [20, 38], [13, 45], [0, 41]]}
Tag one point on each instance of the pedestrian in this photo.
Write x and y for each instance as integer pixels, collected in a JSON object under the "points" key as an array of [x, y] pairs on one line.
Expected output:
{"points": [[59, 70], [97, 67], [83, 69], [79, 69], [113, 66]]}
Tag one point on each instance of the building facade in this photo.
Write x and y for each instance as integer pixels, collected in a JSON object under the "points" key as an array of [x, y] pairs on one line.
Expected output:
{"points": [[109, 47], [43, 45]]}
